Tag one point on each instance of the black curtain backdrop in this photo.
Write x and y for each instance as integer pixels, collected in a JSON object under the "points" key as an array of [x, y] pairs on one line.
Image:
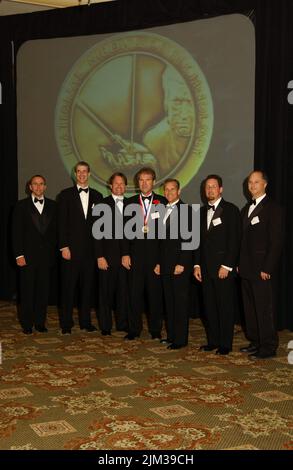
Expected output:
{"points": [[273, 115]]}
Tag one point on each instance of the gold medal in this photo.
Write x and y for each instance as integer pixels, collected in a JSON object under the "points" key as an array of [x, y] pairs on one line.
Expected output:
{"points": [[145, 229], [173, 120]]}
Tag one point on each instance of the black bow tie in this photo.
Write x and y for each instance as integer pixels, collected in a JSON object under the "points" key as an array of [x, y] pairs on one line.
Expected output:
{"points": [[41, 201], [86, 190], [146, 197], [253, 202], [211, 207]]}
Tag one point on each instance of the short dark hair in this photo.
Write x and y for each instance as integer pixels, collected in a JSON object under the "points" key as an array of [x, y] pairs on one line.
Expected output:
{"points": [[171, 180], [117, 173], [37, 176], [147, 170], [214, 177], [81, 163], [263, 174]]}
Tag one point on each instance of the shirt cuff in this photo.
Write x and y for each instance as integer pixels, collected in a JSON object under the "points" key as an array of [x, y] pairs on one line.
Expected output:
{"points": [[227, 267]]}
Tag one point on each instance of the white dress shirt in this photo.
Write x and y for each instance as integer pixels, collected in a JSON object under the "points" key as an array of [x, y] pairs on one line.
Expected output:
{"points": [[253, 206], [38, 206], [210, 212], [84, 197], [119, 202], [170, 207]]}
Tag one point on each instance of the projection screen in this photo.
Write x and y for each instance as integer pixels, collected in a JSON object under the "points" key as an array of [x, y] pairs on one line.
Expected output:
{"points": [[177, 98]]}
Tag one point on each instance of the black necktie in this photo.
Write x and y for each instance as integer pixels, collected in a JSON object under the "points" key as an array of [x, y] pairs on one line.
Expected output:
{"points": [[83, 189], [253, 201], [41, 201], [211, 207]]}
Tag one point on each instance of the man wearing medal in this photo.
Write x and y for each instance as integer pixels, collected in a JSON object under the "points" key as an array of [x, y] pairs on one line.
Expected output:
{"points": [[140, 257]]}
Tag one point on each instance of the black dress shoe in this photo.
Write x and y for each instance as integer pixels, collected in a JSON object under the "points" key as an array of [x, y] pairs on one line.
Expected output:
{"points": [[223, 351], [89, 328], [130, 337], [106, 332], [66, 331], [41, 329], [208, 347], [260, 355], [156, 335], [166, 341], [249, 349], [175, 346], [27, 331]]}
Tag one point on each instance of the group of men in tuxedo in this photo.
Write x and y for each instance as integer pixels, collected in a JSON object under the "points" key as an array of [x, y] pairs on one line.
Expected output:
{"points": [[151, 274]]}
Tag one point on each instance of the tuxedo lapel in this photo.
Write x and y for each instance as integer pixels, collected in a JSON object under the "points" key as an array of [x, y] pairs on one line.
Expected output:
{"points": [[34, 213], [141, 208], [204, 215], [90, 204], [246, 219], [46, 216]]}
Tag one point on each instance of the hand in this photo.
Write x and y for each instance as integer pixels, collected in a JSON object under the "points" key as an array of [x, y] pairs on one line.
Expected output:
{"points": [[66, 254], [102, 263], [157, 269], [223, 273], [126, 262], [21, 261], [178, 269], [197, 273], [265, 276]]}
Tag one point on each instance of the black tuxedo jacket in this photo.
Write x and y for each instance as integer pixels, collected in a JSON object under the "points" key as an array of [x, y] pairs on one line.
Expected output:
{"points": [[171, 252], [111, 249], [220, 244], [35, 236], [262, 239], [143, 251], [75, 231]]}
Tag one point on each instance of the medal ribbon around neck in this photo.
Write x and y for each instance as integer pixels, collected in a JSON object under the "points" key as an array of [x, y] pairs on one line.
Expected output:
{"points": [[146, 212]]}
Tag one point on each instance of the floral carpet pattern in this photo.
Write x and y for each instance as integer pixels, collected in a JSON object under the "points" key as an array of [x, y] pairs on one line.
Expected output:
{"points": [[88, 392]]}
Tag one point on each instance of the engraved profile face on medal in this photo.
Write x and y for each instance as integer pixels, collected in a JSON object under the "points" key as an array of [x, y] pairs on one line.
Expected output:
{"points": [[132, 100]]}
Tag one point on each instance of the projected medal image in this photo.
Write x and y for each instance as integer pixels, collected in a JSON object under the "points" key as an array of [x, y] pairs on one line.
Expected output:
{"points": [[133, 100]]}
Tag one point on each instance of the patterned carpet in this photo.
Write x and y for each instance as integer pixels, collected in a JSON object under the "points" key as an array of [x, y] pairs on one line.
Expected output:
{"points": [[86, 391]]}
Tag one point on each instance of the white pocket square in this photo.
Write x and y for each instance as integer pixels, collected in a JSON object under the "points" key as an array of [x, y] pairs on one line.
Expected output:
{"points": [[217, 221], [255, 220]]}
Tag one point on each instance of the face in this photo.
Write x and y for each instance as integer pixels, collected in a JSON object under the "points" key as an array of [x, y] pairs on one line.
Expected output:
{"points": [[256, 184], [212, 190], [82, 175], [38, 186], [180, 114], [146, 183], [118, 186], [171, 192]]}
